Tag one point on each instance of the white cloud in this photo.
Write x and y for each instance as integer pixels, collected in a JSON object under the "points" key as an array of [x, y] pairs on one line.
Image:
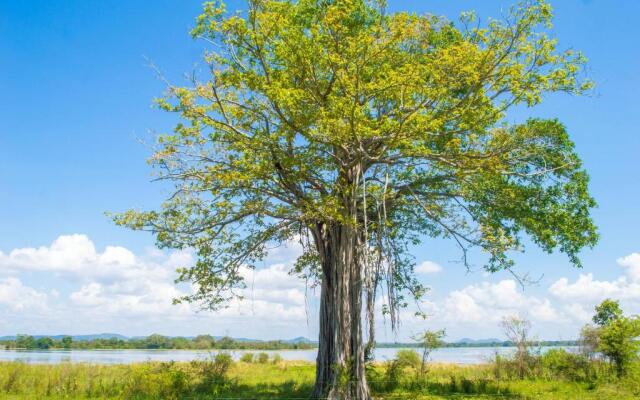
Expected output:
{"points": [[490, 302], [118, 287], [271, 293], [586, 289], [76, 255], [578, 312], [461, 306], [131, 299], [428, 267], [581, 296], [117, 283], [632, 263], [17, 297], [544, 311]]}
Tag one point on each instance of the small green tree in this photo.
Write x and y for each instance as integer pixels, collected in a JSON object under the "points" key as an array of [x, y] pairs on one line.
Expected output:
{"points": [[517, 329], [617, 335], [44, 343], [156, 341], [204, 342], [225, 343], [607, 311], [25, 342], [67, 341], [429, 341]]}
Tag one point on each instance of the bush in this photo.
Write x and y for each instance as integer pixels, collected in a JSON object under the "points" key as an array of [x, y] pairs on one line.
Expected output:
{"points": [[213, 373], [560, 363], [392, 375], [263, 358], [247, 358], [408, 358], [520, 365], [162, 380], [277, 359], [394, 369]]}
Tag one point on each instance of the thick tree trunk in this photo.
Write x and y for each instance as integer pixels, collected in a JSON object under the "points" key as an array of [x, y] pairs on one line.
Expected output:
{"points": [[340, 364]]}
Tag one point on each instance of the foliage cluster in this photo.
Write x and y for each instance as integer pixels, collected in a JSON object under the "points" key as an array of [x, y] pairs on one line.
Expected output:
{"points": [[260, 358], [615, 336]]}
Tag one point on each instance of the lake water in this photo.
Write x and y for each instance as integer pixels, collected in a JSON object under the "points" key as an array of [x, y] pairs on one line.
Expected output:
{"points": [[468, 355]]}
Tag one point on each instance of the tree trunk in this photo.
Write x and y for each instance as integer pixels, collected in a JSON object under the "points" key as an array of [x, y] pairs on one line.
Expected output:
{"points": [[340, 373]]}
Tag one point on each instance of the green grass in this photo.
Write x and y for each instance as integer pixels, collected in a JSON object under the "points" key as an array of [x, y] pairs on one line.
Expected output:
{"points": [[283, 380]]}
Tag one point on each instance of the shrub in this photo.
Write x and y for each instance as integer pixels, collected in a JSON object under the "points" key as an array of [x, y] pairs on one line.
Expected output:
{"points": [[263, 358], [408, 358], [518, 329], [277, 359], [162, 380], [392, 374], [394, 369], [559, 363], [519, 365], [247, 358], [213, 373]]}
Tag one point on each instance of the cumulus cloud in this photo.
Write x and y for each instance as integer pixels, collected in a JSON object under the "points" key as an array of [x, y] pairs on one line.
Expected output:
{"points": [[428, 267], [76, 255], [114, 283], [581, 295], [117, 283], [587, 289], [20, 298], [493, 301], [131, 299], [632, 265]]}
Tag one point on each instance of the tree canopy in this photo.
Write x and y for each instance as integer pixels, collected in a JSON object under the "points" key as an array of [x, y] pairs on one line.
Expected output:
{"points": [[607, 312], [336, 111], [360, 132], [616, 335]]}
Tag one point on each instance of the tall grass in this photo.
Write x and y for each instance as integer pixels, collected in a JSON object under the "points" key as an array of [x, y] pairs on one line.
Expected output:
{"points": [[557, 376]]}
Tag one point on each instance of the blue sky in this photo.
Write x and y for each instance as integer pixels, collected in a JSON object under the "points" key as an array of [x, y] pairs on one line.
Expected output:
{"points": [[76, 108]]}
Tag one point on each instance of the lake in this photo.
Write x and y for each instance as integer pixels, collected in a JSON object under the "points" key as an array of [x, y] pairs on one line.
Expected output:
{"points": [[466, 355]]}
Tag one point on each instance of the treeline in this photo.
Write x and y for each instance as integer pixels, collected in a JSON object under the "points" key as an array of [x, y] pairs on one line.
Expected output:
{"points": [[201, 342], [505, 343], [208, 342]]}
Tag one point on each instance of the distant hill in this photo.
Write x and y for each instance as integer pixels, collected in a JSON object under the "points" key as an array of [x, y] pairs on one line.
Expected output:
{"points": [[300, 339]]}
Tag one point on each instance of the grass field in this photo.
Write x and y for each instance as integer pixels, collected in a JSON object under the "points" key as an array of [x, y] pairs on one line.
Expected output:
{"points": [[283, 380]]}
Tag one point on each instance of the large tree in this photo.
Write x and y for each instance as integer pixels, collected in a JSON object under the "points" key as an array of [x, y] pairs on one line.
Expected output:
{"points": [[360, 132]]}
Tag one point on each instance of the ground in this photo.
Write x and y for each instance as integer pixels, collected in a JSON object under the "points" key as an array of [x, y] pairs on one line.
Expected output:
{"points": [[281, 380]]}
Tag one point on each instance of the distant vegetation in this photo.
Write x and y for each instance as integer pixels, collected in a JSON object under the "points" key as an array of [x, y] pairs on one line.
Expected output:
{"points": [[201, 342], [207, 342]]}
